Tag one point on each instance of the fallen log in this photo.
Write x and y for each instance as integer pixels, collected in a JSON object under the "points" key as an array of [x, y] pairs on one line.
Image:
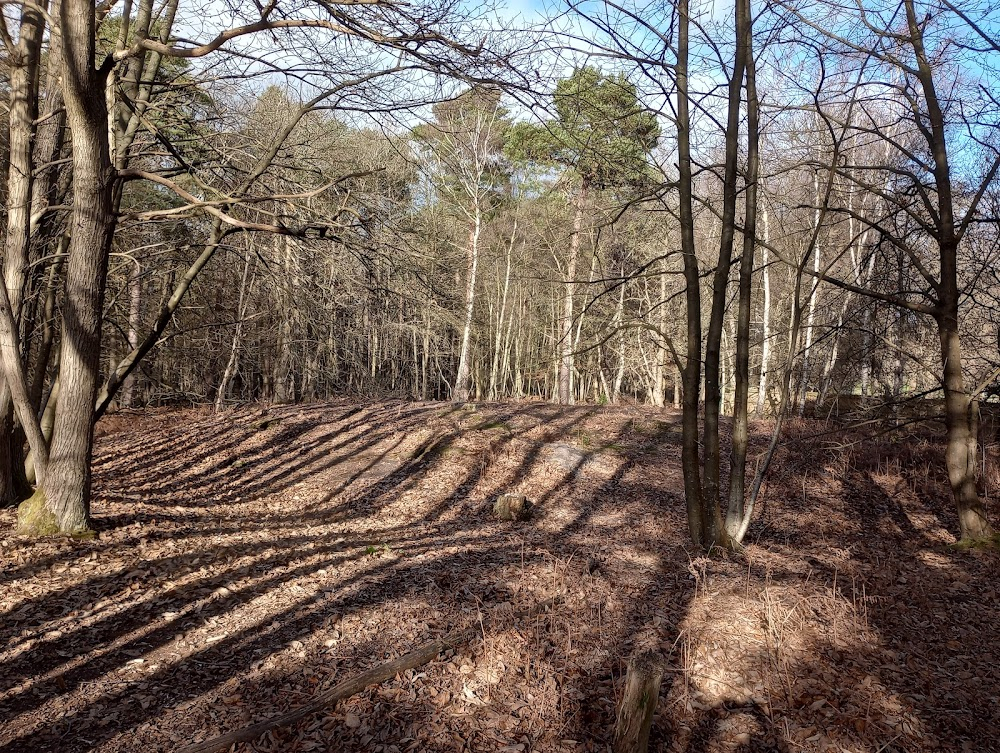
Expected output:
{"points": [[374, 676]]}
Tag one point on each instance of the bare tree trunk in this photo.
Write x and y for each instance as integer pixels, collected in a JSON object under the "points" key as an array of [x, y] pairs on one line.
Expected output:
{"points": [[283, 378], [62, 500], [898, 336], [714, 534], [811, 304], [647, 370], [461, 392], [738, 513], [234, 350], [50, 134], [690, 460], [961, 422], [663, 359], [425, 364], [134, 312], [498, 345], [23, 114], [725, 366], [20, 179], [578, 334], [961, 409], [565, 375], [765, 346], [616, 390], [16, 387], [46, 424], [48, 324]]}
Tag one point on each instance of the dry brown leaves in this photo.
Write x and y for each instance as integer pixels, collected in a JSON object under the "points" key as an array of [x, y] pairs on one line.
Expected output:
{"points": [[249, 561]]}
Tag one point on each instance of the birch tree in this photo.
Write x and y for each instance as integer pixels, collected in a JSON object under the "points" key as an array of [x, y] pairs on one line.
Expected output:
{"points": [[465, 142]]}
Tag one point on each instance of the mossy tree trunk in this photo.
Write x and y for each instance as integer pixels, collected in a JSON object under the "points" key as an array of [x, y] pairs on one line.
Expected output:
{"points": [[62, 501]]}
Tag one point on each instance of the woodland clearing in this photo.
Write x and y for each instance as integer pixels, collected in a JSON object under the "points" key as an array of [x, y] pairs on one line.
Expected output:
{"points": [[248, 560]]}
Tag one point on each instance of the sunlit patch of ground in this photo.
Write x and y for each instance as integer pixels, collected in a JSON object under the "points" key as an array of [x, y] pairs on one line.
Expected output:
{"points": [[249, 561]]}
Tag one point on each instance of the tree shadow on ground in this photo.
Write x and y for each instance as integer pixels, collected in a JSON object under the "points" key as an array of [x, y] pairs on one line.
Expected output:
{"points": [[872, 532], [305, 544], [178, 569]]}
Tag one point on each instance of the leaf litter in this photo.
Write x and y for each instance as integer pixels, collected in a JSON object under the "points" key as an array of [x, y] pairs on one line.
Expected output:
{"points": [[248, 561]]}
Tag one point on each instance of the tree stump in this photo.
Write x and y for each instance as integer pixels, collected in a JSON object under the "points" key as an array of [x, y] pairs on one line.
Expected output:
{"points": [[512, 507], [635, 712]]}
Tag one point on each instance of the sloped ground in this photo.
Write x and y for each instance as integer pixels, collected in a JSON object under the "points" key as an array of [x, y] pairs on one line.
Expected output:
{"points": [[249, 561]]}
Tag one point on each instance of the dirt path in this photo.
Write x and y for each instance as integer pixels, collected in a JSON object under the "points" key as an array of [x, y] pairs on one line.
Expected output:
{"points": [[247, 562]]}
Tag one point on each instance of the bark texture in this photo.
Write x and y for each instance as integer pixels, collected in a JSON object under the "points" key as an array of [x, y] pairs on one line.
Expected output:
{"points": [[65, 491], [638, 703], [738, 512]]}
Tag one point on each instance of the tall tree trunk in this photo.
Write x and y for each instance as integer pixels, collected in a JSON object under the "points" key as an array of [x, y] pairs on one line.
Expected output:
{"points": [[134, 312], [765, 345], [425, 362], [46, 424], [50, 135], [690, 453], [961, 422], [578, 334], [23, 114], [24, 76], [498, 345], [616, 389], [234, 349], [714, 533], [811, 304], [41, 364], [663, 359], [62, 501], [738, 513], [867, 352], [565, 375], [961, 410], [461, 391], [282, 375]]}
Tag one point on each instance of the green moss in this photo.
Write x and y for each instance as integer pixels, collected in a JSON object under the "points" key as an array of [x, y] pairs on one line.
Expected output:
{"points": [[989, 543], [34, 518]]}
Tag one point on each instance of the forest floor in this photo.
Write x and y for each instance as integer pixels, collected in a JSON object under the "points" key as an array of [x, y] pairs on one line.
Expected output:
{"points": [[247, 562]]}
